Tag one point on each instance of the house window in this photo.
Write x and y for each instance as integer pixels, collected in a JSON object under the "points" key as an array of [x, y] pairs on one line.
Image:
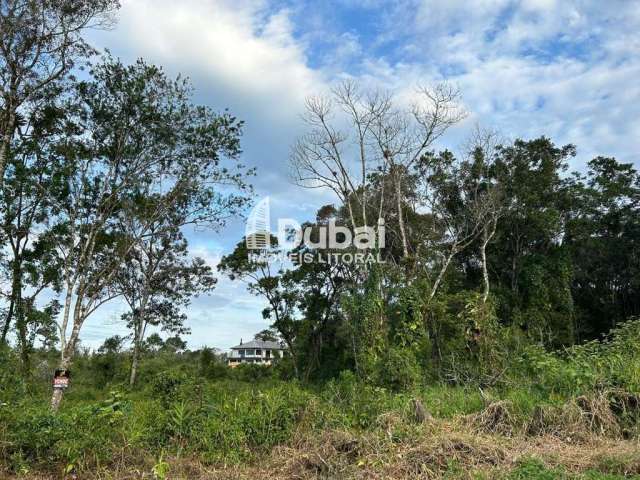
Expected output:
{"points": [[268, 353], [241, 352], [258, 352]]}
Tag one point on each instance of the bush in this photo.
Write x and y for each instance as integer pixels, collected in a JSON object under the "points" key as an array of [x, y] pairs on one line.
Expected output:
{"points": [[350, 403], [12, 385], [78, 437], [168, 386], [252, 372], [613, 362], [399, 370], [212, 367]]}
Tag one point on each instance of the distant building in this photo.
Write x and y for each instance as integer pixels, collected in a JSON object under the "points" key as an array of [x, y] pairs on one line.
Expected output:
{"points": [[255, 351]]}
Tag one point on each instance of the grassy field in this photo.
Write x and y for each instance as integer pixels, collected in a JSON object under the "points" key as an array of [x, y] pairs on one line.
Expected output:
{"points": [[180, 428]]}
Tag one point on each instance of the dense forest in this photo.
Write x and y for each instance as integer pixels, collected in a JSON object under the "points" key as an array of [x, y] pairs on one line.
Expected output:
{"points": [[493, 334]]}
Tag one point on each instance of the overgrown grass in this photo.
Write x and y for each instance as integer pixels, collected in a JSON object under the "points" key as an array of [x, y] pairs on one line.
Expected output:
{"points": [[181, 415], [233, 423]]}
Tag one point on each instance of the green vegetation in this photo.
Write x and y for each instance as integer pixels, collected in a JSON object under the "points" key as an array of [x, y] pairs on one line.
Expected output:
{"points": [[495, 334], [193, 414]]}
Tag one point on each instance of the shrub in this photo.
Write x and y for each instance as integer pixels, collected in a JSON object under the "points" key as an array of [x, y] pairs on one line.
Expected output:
{"points": [[399, 369], [167, 386], [248, 372], [613, 362]]}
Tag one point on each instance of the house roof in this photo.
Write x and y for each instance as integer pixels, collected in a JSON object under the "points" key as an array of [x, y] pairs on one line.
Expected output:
{"points": [[259, 344]]}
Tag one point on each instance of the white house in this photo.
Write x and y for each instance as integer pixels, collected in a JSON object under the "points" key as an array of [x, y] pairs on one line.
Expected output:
{"points": [[255, 351]]}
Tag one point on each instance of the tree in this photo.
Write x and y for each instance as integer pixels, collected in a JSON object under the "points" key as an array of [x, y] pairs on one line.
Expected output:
{"points": [[175, 344], [316, 288], [483, 183], [267, 335], [27, 202], [154, 342], [265, 278], [405, 137], [460, 210], [112, 345], [157, 278], [383, 134], [40, 42], [603, 235], [135, 141], [533, 267]]}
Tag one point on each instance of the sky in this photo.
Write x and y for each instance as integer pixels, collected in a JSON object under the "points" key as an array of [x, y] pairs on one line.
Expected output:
{"points": [[569, 70]]}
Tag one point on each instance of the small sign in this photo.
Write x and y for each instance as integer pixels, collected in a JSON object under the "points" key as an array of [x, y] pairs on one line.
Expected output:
{"points": [[61, 379]]}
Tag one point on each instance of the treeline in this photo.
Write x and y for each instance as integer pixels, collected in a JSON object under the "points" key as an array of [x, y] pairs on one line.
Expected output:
{"points": [[488, 252]]}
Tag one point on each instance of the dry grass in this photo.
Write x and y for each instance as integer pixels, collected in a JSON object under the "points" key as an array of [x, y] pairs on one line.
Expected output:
{"points": [[581, 435], [427, 452], [495, 418], [436, 448]]}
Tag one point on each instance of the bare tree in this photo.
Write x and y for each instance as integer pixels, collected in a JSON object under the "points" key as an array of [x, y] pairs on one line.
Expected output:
{"points": [[372, 131], [320, 158], [405, 136], [482, 148]]}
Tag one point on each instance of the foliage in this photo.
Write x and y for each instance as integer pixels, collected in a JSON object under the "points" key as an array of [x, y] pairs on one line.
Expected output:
{"points": [[399, 369], [610, 363]]}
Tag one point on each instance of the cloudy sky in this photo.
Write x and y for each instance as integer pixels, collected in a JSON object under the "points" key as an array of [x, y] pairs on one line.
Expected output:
{"points": [[567, 69]]}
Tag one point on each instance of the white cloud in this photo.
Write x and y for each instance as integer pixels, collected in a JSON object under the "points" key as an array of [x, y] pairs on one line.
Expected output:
{"points": [[242, 49], [564, 69]]}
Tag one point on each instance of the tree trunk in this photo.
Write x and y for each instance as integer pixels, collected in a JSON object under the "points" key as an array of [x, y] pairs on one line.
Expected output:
{"points": [[5, 143], [485, 271], [56, 397], [66, 355], [65, 319], [443, 270], [134, 364], [488, 232], [137, 343], [294, 359], [7, 322], [16, 309], [403, 233], [21, 325], [14, 299]]}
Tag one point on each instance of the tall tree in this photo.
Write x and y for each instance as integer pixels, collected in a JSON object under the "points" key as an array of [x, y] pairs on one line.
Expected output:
{"points": [[603, 234], [373, 130], [156, 279], [137, 136], [26, 200], [533, 268]]}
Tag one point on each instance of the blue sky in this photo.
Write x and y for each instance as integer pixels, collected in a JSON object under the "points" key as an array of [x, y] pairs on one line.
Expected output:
{"points": [[566, 69]]}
